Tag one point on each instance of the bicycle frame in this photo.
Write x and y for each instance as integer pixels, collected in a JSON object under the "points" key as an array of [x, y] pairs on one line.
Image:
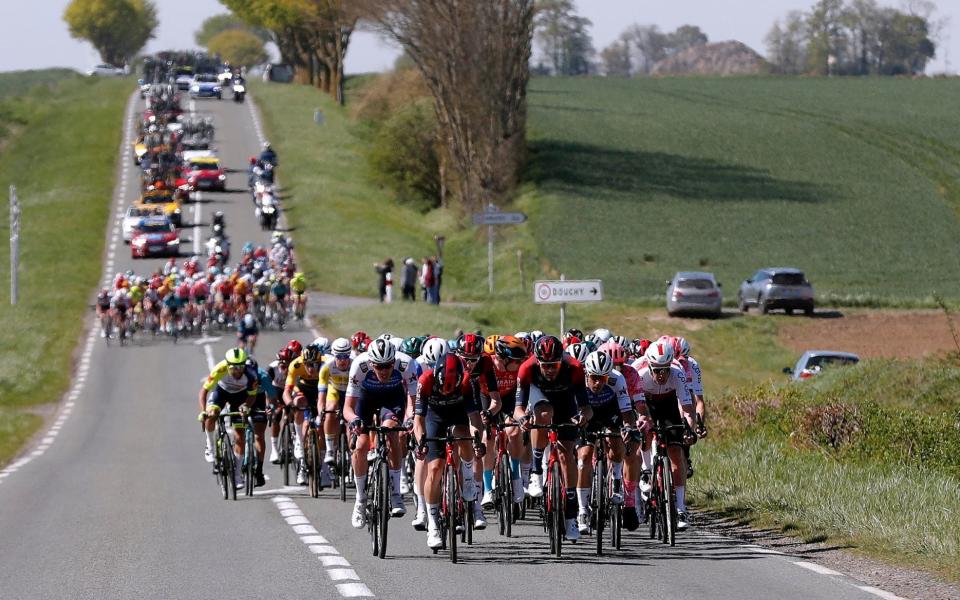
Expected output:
{"points": [[453, 510]]}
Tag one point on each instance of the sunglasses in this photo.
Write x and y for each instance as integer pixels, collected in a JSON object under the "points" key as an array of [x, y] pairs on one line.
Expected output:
{"points": [[341, 356], [593, 377], [660, 370], [555, 364], [383, 367]]}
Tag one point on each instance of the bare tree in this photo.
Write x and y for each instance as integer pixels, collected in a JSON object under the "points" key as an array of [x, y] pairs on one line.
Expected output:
{"points": [[474, 56]]}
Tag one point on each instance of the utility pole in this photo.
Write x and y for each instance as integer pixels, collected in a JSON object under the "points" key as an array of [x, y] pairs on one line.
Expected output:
{"points": [[14, 245]]}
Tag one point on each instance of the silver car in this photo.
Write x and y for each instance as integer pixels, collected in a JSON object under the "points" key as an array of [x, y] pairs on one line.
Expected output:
{"points": [[694, 292], [814, 361], [772, 288]]}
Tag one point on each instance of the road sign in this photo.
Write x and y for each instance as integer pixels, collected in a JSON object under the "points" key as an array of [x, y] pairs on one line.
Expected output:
{"points": [[498, 218], [568, 290]]}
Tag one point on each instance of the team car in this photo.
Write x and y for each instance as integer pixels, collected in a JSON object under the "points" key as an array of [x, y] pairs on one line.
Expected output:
{"points": [[155, 236], [165, 200], [134, 215], [206, 85], [205, 173]]}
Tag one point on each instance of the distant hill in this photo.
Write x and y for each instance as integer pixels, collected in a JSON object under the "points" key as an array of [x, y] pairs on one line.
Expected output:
{"points": [[721, 58]]}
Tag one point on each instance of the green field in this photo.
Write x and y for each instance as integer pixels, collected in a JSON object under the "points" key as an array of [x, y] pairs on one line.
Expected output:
{"points": [[61, 155], [857, 181], [19, 83]]}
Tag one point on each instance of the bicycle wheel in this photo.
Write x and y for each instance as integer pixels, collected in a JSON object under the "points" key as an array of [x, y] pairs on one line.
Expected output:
{"points": [[286, 443], [468, 513], [250, 461], [311, 456], [452, 502], [600, 500], [503, 498], [558, 511], [372, 512], [669, 504], [223, 475], [230, 466], [383, 507], [616, 526], [343, 464]]}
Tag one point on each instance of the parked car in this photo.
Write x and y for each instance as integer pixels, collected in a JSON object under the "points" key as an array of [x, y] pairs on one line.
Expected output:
{"points": [[773, 288], [155, 236], [694, 292], [106, 71], [814, 361]]}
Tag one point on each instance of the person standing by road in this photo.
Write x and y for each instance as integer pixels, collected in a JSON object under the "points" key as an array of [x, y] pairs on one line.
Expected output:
{"points": [[383, 270], [408, 281], [426, 279]]}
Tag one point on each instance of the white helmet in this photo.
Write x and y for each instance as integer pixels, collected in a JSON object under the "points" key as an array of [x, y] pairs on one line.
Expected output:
{"points": [[323, 344], [248, 321], [381, 352], [433, 350], [340, 346], [397, 342], [603, 334], [684, 346], [579, 351], [598, 363], [535, 335], [619, 339], [521, 335], [659, 354]]}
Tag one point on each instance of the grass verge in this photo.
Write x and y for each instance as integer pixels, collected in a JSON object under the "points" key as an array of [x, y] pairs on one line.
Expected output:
{"points": [[62, 160]]}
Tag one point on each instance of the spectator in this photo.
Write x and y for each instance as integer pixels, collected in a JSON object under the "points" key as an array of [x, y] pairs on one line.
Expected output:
{"points": [[426, 280], [382, 270], [437, 278], [409, 280]]}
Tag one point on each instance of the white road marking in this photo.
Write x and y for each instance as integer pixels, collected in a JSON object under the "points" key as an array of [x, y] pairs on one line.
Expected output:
{"points": [[878, 592], [327, 554], [817, 568], [209, 352]]}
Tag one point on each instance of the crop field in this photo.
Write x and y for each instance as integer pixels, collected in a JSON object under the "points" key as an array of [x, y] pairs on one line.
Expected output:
{"points": [[857, 181]]}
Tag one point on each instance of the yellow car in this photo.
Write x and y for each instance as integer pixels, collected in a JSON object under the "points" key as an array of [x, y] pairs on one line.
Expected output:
{"points": [[164, 199]]}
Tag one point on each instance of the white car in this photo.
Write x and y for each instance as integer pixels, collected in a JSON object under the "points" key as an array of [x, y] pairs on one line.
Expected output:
{"points": [[132, 218], [106, 71], [188, 155]]}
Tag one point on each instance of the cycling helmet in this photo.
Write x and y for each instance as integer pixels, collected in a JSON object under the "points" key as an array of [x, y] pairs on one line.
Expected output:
{"points": [[340, 347], [433, 350], [509, 347], [591, 338], [598, 363], [381, 352], [490, 344], [535, 335], [603, 334], [578, 351], [248, 321], [253, 160], [252, 363], [266, 145], [570, 340], [448, 374], [285, 356], [548, 349], [323, 344], [619, 339], [591, 345], [247, 248], [236, 357], [573, 332], [521, 334], [311, 354], [638, 347], [615, 351], [359, 341], [295, 348], [659, 354], [412, 346], [682, 347], [470, 346], [397, 342]]}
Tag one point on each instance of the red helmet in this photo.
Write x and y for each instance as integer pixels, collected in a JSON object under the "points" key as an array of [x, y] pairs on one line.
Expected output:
{"points": [[359, 341], [448, 374], [639, 347], [253, 160], [569, 340], [285, 356], [615, 351], [470, 346], [294, 348], [548, 349]]}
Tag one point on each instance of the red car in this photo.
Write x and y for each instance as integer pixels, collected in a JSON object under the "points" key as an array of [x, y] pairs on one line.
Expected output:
{"points": [[205, 173], [155, 236]]}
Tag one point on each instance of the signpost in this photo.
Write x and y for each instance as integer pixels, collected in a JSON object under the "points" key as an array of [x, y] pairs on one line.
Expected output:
{"points": [[490, 217], [565, 290], [14, 244]]}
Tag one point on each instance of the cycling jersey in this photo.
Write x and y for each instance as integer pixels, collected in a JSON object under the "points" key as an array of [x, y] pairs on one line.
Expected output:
{"points": [[300, 380], [277, 375], [442, 412], [279, 289], [484, 371], [566, 393], [333, 381], [609, 403], [387, 398], [298, 284], [136, 294], [664, 401], [691, 369], [632, 379], [221, 377], [506, 385]]}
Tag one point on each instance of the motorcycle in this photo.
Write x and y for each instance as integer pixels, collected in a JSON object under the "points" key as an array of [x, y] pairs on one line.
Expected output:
{"points": [[268, 213], [239, 91]]}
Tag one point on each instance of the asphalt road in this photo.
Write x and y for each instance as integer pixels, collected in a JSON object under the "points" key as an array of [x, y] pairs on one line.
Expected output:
{"points": [[116, 501]]}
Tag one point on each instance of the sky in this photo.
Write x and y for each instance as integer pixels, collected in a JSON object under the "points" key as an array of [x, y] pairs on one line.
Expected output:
{"points": [[35, 35]]}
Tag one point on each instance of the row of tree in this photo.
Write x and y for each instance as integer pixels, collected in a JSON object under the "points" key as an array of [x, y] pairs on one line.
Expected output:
{"points": [[854, 37], [117, 29], [233, 40]]}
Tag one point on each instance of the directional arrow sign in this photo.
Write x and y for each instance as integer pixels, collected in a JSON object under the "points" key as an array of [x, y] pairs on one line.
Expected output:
{"points": [[498, 218], [568, 290]]}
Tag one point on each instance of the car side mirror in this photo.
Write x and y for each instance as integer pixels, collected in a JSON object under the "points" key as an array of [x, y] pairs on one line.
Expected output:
{"points": [[787, 370]]}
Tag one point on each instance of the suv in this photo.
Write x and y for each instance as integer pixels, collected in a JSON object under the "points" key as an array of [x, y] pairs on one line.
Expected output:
{"points": [[814, 361], [694, 292], [774, 288]]}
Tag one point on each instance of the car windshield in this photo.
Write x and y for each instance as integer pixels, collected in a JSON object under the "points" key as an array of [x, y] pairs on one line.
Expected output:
{"points": [[789, 279], [206, 78], [157, 199], [830, 361], [139, 212], [202, 166], [695, 284], [158, 227]]}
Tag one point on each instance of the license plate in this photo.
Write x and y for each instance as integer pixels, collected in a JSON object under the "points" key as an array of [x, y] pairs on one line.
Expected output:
{"points": [[155, 248]]}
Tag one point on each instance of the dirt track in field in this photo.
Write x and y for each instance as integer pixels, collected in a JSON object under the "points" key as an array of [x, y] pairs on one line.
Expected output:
{"points": [[875, 333]]}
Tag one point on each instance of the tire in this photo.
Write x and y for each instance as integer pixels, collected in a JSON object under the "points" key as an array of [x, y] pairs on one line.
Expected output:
{"points": [[250, 461], [600, 500], [383, 507], [372, 512], [558, 499], [762, 303], [223, 476], [669, 504], [808, 311], [741, 303], [285, 452], [310, 454], [616, 526], [500, 500], [452, 502], [343, 462], [230, 466], [789, 311]]}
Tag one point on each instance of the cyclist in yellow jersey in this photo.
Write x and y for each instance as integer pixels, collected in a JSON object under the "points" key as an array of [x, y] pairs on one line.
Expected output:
{"points": [[298, 285], [301, 390], [136, 300], [334, 376]]}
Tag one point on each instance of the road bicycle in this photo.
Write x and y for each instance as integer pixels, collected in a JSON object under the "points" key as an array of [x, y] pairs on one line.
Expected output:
{"points": [[342, 465], [377, 507], [456, 515], [604, 511], [288, 433], [503, 480], [224, 461], [661, 505], [552, 511], [251, 457]]}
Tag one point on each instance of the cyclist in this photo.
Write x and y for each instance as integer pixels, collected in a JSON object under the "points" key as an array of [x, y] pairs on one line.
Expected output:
{"points": [[691, 368], [359, 342], [433, 350], [277, 371], [298, 285], [119, 306], [668, 400], [301, 390], [230, 382], [612, 409], [334, 375], [279, 291], [266, 395], [382, 385], [103, 310], [247, 331], [445, 399], [171, 309], [552, 391], [136, 300]]}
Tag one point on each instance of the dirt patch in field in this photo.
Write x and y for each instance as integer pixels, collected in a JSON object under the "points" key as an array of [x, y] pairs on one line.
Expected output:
{"points": [[872, 334]]}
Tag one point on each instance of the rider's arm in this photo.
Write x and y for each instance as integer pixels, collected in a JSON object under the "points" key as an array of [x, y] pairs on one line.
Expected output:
{"points": [[410, 379], [354, 389], [523, 390], [684, 398], [579, 387]]}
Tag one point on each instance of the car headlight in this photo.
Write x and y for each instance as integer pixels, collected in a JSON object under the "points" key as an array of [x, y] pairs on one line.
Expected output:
{"points": [[216, 88], [221, 177], [176, 212], [140, 242], [239, 88], [175, 242], [195, 88]]}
